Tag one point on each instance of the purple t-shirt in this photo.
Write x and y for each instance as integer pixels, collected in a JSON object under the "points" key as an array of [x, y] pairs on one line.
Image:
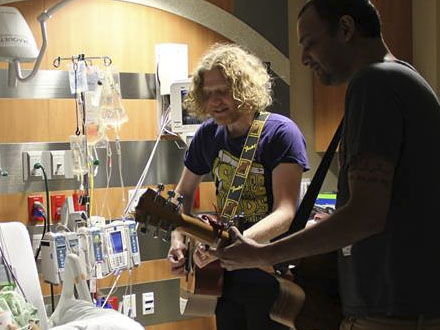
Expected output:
{"points": [[212, 150]]}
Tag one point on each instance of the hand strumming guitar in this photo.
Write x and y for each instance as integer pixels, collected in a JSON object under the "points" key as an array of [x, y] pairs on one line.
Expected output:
{"points": [[241, 253]]}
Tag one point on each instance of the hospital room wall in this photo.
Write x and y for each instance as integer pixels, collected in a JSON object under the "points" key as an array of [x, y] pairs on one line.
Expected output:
{"points": [[127, 33], [124, 31]]}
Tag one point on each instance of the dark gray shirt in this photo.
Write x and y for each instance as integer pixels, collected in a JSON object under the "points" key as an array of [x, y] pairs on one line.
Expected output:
{"points": [[392, 112]]}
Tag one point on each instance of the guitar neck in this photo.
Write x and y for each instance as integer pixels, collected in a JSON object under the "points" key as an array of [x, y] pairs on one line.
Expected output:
{"points": [[200, 230], [203, 232], [155, 210]]}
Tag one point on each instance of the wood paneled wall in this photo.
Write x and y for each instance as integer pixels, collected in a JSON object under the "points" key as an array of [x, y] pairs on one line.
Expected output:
{"points": [[54, 120], [124, 31]]}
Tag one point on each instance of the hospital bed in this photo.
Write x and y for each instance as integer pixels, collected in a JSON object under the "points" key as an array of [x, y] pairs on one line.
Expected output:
{"points": [[70, 313]]}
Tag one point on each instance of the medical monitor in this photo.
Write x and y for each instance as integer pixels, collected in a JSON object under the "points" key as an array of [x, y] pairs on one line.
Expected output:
{"points": [[182, 122]]}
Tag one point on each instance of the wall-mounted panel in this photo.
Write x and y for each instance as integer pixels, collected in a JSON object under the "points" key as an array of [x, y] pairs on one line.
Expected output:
{"points": [[166, 165]]}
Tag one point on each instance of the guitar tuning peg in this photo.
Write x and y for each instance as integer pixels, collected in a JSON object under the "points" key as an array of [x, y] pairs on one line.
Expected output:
{"points": [[171, 194], [144, 229], [156, 232], [167, 237], [180, 200], [160, 187]]}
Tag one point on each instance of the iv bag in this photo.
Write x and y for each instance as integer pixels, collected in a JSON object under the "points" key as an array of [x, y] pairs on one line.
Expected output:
{"points": [[95, 133], [78, 148], [78, 77], [112, 112], [94, 129]]}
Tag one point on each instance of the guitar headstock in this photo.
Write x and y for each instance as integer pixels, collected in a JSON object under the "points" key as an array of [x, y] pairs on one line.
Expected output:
{"points": [[163, 213]]}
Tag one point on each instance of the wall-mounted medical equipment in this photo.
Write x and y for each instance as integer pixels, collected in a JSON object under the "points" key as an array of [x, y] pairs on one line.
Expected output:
{"points": [[70, 218], [72, 243], [182, 122], [92, 243], [53, 254], [103, 248], [133, 241], [116, 245]]}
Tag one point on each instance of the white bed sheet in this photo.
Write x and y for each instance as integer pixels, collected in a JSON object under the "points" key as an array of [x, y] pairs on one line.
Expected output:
{"points": [[81, 315]]}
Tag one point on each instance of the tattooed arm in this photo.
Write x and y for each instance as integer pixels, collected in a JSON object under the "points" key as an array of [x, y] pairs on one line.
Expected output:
{"points": [[370, 181]]}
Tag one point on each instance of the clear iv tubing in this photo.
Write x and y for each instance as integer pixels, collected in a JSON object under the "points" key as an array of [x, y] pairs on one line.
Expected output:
{"points": [[119, 154], [147, 167], [129, 286], [119, 272], [108, 169], [91, 180]]}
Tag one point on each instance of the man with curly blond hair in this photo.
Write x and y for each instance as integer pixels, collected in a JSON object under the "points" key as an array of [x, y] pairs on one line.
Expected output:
{"points": [[230, 87]]}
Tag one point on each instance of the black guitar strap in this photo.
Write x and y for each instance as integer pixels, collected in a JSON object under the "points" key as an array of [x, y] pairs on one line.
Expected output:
{"points": [[306, 206], [304, 210]]}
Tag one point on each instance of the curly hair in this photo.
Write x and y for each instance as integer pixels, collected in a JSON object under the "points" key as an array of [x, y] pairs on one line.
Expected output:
{"points": [[251, 84]]}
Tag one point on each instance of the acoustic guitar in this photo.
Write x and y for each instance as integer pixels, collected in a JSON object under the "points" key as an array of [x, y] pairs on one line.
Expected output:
{"points": [[290, 308], [199, 288]]}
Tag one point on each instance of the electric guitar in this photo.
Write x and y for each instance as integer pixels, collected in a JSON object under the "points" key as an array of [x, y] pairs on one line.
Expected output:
{"points": [[298, 307]]}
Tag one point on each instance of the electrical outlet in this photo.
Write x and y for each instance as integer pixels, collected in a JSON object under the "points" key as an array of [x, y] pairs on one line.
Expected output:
{"points": [[56, 203], [58, 163], [129, 305], [30, 158], [32, 215], [76, 203], [147, 303]]}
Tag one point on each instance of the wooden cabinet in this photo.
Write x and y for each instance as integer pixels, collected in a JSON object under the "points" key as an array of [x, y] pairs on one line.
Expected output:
{"points": [[328, 101]]}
